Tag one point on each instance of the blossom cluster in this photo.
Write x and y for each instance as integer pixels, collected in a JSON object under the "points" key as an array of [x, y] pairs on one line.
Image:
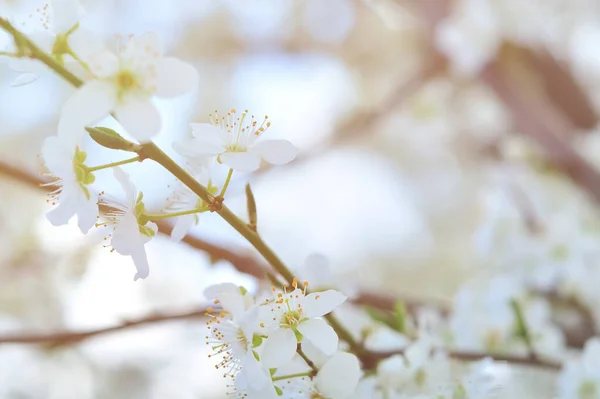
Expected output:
{"points": [[122, 85]]}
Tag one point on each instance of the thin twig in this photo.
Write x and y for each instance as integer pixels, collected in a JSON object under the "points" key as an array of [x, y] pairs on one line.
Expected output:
{"points": [[70, 337]]}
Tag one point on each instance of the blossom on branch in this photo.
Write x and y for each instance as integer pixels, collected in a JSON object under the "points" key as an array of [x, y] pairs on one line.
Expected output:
{"points": [[233, 140], [124, 84]]}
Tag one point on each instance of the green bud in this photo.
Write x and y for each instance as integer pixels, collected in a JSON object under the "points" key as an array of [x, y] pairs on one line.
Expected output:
{"points": [[110, 139]]}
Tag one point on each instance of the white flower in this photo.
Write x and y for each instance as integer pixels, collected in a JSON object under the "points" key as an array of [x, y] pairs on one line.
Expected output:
{"points": [[66, 163], [184, 199], [232, 335], [317, 270], [580, 379], [50, 28], [125, 83], [131, 230], [295, 316], [233, 140], [337, 379]]}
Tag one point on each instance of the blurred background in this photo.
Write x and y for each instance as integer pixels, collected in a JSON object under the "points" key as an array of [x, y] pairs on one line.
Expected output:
{"points": [[442, 141]]}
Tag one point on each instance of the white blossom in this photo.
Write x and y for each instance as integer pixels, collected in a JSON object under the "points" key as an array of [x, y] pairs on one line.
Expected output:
{"points": [[50, 28], [131, 229], [66, 163], [294, 317], [124, 84], [234, 141]]}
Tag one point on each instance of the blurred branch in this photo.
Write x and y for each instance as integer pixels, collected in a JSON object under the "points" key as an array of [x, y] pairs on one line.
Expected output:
{"points": [[71, 337], [372, 358]]}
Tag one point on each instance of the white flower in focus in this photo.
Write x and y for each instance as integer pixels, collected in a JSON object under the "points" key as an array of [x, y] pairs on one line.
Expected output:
{"points": [[131, 228], [50, 28], [232, 335], [233, 140], [125, 83], [66, 163], [580, 379], [295, 316]]}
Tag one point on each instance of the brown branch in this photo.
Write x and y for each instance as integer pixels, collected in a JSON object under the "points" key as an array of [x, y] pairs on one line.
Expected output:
{"points": [[371, 359], [70, 337]]}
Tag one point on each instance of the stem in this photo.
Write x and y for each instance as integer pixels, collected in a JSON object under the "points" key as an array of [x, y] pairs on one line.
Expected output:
{"points": [[226, 183], [113, 164], [309, 362], [33, 51], [290, 376], [175, 214]]}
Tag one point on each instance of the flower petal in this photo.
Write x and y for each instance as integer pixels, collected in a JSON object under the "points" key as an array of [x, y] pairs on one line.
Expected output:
{"points": [[320, 334], [174, 77], [242, 161], [197, 149], [67, 206], [87, 212], [66, 14], [126, 238], [339, 377], [214, 291], [320, 303], [90, 103], [24, 79], [279, 348], [277, 152], [139, 117], [58, 157], [127, 185], [183, 224], [140, 260]]}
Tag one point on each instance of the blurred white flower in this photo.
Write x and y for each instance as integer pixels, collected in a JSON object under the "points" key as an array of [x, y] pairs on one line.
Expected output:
{"points": [[131, 230], [50, 28], [234, 143], [293, 315], [317, 270], [184, 199], [66, 163], [124, 83], [580, 378]]}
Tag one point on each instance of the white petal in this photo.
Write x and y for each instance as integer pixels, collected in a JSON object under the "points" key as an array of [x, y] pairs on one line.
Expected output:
{"points": [[320, 303], [255, 375], [320, 334], [139, 117], [207, 132], [242, 161], [174, 77], [87, 212], [26, 65], [146, 44], [67, 206], [140, 260], [279, 348], [214, 291], [339, 377], [277, 152], [126, 238], [127, 185], [90, 103], [183, 224], [70, 132], [66, 14], [24, 79], [197, 149], [233, 303], [58, 157], [90, 48]]}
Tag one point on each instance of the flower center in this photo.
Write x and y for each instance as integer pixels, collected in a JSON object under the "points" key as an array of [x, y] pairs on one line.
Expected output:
{"points": [[126, 81], [291, 319], [241, 338]]}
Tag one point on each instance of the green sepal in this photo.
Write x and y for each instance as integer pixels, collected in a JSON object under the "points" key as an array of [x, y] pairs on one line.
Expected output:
{"points": [[278, 390], [256, 341], [298, 335], [272, 371], [243, 290], [256, 356]]}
